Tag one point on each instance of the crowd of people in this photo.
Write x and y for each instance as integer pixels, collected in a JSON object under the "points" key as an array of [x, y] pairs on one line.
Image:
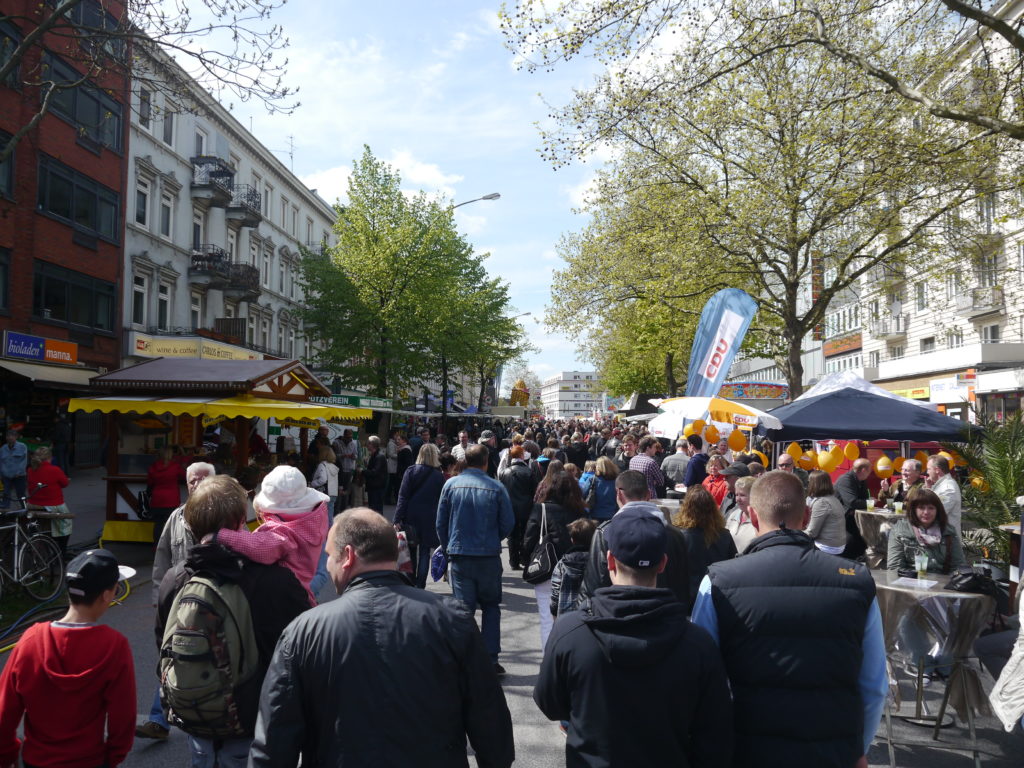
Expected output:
{"points": [[703, 611]]}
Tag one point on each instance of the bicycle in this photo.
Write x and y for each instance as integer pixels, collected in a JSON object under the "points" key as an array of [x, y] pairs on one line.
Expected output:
{"points": [[38, 565]]}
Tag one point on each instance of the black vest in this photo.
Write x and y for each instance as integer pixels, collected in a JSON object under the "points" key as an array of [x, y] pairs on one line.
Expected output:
{"points": [[791, 625]]}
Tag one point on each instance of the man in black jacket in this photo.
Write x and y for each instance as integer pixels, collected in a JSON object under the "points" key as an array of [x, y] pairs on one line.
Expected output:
{"points": [[852, 490], [632, 642], [521, 483], [631, 492], [387, 674]]}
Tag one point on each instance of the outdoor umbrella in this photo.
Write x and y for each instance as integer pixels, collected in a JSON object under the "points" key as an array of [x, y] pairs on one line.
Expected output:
{"points": [[677, 411]]}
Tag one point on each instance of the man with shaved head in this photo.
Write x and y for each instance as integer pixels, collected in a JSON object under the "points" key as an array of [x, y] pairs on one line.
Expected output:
{"points": [[852, 490], [801, 637], [384, 653]]}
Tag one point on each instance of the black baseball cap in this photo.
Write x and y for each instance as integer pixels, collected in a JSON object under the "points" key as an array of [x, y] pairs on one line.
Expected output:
{"points": [[95, 570], [636, 537], [737, 469]]}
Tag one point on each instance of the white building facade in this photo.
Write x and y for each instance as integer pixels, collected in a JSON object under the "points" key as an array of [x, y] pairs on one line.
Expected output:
{"points": [[571, 395], [214, 222]]}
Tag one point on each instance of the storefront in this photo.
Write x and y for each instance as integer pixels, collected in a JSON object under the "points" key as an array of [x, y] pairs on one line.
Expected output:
{"points": [[955, 395], [1000, 393], [38, 376]]}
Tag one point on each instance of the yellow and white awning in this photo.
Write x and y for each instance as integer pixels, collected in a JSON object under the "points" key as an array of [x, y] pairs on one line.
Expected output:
{"points": [[219, 407]]}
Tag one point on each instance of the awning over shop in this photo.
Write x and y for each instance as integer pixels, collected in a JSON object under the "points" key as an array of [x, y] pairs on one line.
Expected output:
{"points": [[71, 377], [214, 407]]}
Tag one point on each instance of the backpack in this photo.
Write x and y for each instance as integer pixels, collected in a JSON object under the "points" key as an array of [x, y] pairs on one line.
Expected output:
{"points": [[209, 660]]}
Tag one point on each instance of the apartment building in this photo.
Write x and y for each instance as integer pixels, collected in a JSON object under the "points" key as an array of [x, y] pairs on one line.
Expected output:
{"points": [[214, 226], [571, 395]]}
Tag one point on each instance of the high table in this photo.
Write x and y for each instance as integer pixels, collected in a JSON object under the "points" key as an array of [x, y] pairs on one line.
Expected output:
{"points": [[951, 621], [874, 526]]}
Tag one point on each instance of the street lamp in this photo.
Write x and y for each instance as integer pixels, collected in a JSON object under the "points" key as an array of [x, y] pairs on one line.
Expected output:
{"points": [[491, 196]]}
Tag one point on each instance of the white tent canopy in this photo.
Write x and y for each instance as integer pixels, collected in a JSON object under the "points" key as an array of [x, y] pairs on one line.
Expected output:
{"points": [[833, 382]]}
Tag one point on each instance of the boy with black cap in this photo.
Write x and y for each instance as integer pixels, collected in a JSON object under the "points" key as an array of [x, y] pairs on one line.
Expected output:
{"points": [[72, 679], [632, 642]]}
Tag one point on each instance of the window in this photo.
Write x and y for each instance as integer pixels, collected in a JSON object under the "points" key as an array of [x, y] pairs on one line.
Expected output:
{"points": [[10, 38], [282, 271], [198, 229], [254, 252], [85, 204], [232, 246], [280, 338], [290, 351], [139, 300], [71, 297], [145, 108], [168, 126], [987, 210], [230, 310], [927, 345], [6, 168], [268, 191], [954, 338], [990, 334], [921, 297], [166, 214], [5, 278], [294, 230], [309, 232], [284, 212], [96, 116], [987, 266], [265, 269], [952, 287], [196, 310], [200, 143], [873, 358], [896, 353], [265, 333], [141, 201], [250, 329], [163, 307]]}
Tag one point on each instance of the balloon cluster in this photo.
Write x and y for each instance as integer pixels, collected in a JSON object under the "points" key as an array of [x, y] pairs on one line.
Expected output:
{"points": [[737, 439]]}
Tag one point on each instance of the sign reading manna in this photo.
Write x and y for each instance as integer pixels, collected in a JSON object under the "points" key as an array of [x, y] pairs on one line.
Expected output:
{"points": [[37, 349]]}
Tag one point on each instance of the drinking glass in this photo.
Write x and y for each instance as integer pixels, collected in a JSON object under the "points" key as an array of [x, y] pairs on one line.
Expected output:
{"points": [[921, 563]]}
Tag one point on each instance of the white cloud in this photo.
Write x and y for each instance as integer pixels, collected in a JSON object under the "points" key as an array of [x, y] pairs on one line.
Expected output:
{"points": [[331, 184], [426, 176], [469, 224], [580, 193]]}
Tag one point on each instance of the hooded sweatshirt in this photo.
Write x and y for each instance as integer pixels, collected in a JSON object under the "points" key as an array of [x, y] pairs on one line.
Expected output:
{"points": [[638, 683], [70, 683], [290, 538]]}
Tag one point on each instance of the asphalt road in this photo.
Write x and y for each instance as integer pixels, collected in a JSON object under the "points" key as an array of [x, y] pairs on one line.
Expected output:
{"points": [[539, 743]]}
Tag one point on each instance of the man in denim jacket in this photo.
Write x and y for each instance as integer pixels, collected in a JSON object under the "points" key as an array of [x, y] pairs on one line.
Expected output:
{"points": [[13, 466], [473, 515]]}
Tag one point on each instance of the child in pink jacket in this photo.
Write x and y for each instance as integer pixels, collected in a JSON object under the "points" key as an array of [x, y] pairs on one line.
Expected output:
{"points": [[293, 531]]}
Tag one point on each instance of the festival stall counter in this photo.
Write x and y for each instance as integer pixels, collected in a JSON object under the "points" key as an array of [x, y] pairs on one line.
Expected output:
{"points": [[188, 393]]}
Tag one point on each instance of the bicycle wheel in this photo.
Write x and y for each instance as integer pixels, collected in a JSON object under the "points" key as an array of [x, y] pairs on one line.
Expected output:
{"points": [[41, 566]]}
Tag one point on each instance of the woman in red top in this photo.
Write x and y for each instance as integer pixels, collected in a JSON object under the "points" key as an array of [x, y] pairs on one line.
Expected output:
{"points": [[46, 484], [715, 482], [164, 479]]}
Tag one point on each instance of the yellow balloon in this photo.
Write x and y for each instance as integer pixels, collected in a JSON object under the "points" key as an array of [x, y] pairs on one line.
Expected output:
{"points": [[897, 464], [948, 456], [959, 460], [883, 467], [837, 455], [979, 482], [922, 457], [761, 458], [711, 433], [698, 426], [688, 430], [814, 459], [826, 461], [805, 462], [851, 451], [737, 440], [794, 450]]}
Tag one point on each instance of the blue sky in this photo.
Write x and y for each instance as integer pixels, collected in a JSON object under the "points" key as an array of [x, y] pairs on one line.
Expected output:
{"points": [[430, 87]]}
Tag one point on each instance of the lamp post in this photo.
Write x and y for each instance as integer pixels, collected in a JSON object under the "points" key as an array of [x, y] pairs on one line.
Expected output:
{"points": [[491, 196]]}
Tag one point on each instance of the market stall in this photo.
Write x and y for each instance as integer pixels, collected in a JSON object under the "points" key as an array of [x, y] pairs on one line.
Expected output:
{"points": [[191, 393]]}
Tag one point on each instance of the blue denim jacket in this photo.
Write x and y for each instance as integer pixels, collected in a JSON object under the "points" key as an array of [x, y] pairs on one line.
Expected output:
{"points": [[473, 515], [13, 461]]}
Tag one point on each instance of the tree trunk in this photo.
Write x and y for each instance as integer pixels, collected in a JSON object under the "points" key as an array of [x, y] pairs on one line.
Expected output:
{"points": [[795, 365], [444, 396], [382, 370], [482, 370], [670, 377]]}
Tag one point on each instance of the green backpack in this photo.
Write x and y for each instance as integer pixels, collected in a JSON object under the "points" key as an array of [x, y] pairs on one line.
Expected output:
{"points": [[209, 661]]}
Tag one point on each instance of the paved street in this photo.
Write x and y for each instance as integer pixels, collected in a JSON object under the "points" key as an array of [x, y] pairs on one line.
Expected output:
{"points": [[539, 743]]}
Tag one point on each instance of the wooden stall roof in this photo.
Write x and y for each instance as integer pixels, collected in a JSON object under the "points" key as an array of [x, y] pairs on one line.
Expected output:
{"points": [[282, 379]]}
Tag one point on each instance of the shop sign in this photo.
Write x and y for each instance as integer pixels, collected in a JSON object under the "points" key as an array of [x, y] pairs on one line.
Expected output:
{"points": [[306, 423], [354, 401], [838, 346], [948, 390], [754, 390], [915, 393], [21, 346], [967, 379], [209, 421], [172, 346]]}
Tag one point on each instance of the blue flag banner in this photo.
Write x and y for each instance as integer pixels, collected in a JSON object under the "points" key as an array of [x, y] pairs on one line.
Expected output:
{"points": [[723, 324]]}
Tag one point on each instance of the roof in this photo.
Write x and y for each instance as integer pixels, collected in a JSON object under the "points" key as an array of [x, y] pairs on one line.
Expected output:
{"points": [[165, 375]]}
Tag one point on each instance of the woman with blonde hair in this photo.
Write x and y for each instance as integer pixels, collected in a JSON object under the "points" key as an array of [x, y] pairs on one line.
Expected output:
{"points": [[601, 498], [715, 482], [46, 484], [416, 512], [707, 540]]}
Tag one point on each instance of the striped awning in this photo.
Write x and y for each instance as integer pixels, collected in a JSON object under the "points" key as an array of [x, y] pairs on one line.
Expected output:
{"points": [[223, 407]]}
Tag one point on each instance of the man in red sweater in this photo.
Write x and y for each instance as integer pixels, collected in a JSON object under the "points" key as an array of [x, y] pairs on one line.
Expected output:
{"points": [[72, 679]]}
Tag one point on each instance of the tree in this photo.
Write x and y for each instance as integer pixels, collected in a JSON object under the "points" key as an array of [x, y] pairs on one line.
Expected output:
{"points": [[223, 45], [959, 60], [791, 174]]}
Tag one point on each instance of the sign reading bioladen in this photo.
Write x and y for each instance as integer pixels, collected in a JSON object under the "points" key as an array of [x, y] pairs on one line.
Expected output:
{"points": [[723, 324], [21, 346]]}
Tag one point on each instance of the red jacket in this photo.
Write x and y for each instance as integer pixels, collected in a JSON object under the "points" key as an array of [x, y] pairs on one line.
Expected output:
{"points": [[54, 479], [718, 486], [69, 684], [164, 482]]}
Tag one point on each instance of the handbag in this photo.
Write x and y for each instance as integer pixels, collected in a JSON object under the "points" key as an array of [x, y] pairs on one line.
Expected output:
{"points": [[438, 564], [966, 579], [544, 558], [144, 504], [591, 499], [404, 558]]}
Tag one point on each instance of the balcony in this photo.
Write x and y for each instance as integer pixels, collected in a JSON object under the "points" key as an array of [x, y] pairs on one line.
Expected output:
{"points": [[243, 282], [889, 329], [980, 301], [211, 266], [1003, 355], [245, 205], [212, 180]]}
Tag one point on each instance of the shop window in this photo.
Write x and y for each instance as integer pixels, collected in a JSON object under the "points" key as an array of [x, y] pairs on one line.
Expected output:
{"points": [[927, 345], [82, 202], [97, 117], [139, 300], [163, 307], [66, 296]]}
